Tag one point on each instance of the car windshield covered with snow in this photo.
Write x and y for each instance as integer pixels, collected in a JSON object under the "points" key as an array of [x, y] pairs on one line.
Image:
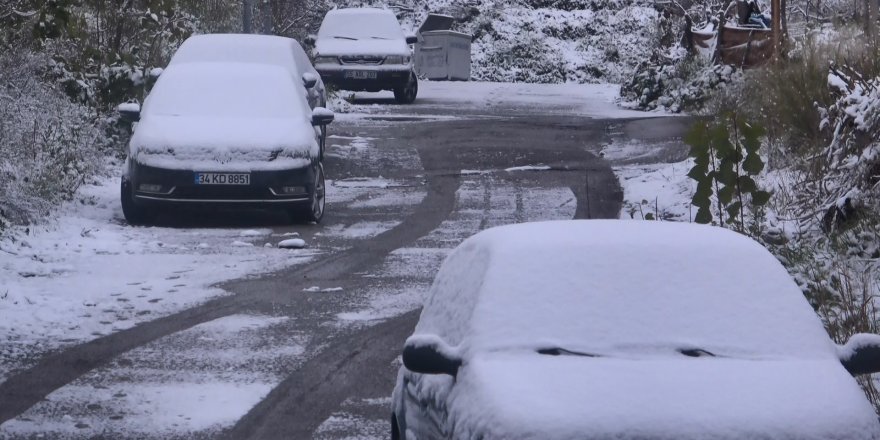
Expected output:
{"points": [[364, 49], [225, 134], [255, 49], [360, 24], [611, 329]]}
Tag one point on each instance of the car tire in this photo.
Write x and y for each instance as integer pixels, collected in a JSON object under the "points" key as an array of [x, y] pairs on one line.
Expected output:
{"points": [[406, 94], [134, 214], [314, 211]]}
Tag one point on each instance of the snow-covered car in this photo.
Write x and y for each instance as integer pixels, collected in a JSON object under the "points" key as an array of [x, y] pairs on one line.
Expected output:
{"points": [[625, 330], [364, 49], [258, 49], [224, 134]]}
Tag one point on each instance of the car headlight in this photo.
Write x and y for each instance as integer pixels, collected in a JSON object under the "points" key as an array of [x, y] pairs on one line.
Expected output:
{"points": [[396, 59], [326, 60]]}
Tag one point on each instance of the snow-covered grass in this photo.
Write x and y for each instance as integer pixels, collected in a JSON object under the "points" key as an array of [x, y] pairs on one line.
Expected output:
{"points": [[88, 274]]}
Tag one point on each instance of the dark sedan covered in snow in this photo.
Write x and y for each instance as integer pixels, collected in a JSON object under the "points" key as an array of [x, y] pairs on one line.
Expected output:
{"points": [[625, 330], [225, 134]]}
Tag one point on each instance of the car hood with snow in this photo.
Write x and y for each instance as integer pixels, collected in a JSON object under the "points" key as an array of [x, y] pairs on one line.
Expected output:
{"points": [[343, 47], [228, 116], [528, 395], [632, 330]]}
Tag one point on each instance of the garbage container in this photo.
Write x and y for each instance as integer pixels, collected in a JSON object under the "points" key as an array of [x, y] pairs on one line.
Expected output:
{"points": [[442, 54]]}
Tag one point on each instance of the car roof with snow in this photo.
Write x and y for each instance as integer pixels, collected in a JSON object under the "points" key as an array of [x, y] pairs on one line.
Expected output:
{"points": [[226, 90], [361, 23], [638, 288], [244, 48]]}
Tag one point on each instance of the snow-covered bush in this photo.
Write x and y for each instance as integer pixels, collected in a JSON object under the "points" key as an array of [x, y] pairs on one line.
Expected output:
{"points": [[523, 58], [583, 41], [683, 84], [821, 109], [48, 144]]}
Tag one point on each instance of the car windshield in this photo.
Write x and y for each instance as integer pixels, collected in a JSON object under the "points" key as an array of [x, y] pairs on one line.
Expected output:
{"points": [[225, 90], [259, 49], [635, 289], [360, 24]]}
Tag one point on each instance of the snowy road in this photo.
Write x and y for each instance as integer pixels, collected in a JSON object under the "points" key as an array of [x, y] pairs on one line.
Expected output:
{"points": [[308, 349]]}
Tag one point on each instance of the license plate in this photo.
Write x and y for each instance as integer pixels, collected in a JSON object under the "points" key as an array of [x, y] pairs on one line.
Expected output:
{"points": [[223, 179], [360, 74]]}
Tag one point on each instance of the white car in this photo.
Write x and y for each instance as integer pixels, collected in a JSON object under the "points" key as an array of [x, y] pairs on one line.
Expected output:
{"points": [[364, 49], [625, 330], [224, 134]]}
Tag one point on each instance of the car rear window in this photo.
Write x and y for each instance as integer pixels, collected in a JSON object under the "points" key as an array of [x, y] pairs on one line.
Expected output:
{"points": [[226, 90]]}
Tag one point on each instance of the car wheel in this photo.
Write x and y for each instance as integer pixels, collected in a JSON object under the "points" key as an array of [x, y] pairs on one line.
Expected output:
{"points": [[314, 211], [406, 94], [134, 214]]}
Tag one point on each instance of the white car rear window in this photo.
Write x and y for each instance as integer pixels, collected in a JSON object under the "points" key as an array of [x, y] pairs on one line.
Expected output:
{"points": [[226, 90]]}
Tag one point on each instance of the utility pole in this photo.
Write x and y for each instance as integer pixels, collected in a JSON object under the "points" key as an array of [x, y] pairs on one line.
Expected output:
{"points": [[247, 16]]}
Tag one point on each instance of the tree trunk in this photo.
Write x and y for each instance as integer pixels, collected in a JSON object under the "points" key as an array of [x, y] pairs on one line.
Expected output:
{"points": [[247, 16], [871, 19]]}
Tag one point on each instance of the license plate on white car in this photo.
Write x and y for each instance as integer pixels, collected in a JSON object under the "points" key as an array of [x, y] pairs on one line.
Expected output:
{"points": [[360, 74], [223, 179]]}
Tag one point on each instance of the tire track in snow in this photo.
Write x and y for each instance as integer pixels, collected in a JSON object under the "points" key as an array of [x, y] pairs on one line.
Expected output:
{"points": [[23, 390]]}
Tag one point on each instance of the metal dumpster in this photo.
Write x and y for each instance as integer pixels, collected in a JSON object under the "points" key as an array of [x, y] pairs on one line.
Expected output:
{"points": [[442, 54]]}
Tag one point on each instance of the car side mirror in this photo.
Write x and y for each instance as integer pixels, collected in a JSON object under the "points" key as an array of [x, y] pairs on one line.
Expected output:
{"points": [[310, 79], [129, 112], [310, 39], [412, 39], [322, 116], [428, 354], [861, 354]]}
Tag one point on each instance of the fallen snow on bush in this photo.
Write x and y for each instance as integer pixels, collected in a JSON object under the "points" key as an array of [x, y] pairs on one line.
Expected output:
{"points": [[48, 145]]}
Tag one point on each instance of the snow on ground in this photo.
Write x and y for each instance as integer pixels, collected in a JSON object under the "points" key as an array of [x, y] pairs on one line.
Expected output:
{"points": [[659, 190], [356, 421], [592, 100], [360, 230], [88, 274], [662, 190], [481, 202], [201, 379]]}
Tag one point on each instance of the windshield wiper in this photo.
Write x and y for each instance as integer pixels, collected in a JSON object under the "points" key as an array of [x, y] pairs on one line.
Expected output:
{"points": [[556, 351], [380, 38], [344, 37], [695, 352]]}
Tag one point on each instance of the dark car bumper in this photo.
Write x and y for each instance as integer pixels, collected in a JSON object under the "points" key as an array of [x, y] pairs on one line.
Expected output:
{"points": [[384, 80], [265, 190]]}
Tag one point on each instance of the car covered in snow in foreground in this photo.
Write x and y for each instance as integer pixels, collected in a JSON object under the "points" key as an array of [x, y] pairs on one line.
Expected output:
{"points": [[224, 134], [625, 330], [364, 49]]}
